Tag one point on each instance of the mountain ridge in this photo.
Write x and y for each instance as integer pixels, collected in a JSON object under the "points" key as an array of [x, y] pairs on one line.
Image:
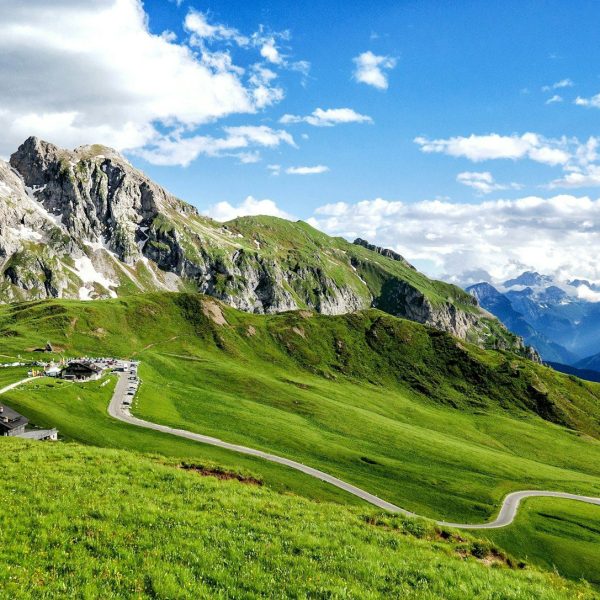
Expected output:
{"points": [[561, 319], [85, 224]]}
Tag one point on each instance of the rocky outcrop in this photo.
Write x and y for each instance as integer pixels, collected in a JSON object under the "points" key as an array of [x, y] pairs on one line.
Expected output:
{"points": [[383, 251], [403, 300]]}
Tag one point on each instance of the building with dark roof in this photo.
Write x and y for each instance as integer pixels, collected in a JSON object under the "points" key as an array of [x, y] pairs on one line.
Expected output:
{"points": [[82, 371], [11, 422]]}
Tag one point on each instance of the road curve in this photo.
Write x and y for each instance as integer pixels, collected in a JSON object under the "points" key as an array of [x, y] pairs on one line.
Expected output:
{"points": [[505, 517]]}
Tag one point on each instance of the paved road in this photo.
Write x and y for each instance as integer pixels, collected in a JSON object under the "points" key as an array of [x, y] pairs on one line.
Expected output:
{"points": [[12, 386], [505, 516]]}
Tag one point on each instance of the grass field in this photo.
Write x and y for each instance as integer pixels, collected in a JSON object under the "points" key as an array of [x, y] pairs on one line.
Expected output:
{"points": [[556, 534], [432, 425], [156, 531]]}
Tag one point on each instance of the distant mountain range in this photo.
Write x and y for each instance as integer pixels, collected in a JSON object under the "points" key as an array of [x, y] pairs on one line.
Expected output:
{"points": [[561, 319]]}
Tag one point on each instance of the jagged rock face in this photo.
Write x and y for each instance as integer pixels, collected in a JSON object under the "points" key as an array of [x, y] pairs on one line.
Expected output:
{"points": [[99, 196], [403, 300], [86, 224], [25, 226]]}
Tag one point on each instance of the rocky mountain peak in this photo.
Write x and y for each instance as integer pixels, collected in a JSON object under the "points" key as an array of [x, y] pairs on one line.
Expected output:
{"points": [[33, 158], [529, 279], [99, 196], [86, 224]]}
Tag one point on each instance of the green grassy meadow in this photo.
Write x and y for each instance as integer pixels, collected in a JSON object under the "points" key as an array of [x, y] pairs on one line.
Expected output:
{"points": [[432, 424], [153, 530], [556, 534]]}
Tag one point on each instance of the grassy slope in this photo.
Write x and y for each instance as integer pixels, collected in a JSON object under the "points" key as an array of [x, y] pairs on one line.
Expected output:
{"points": [[556, 534], [152, 530], [438, 427], [299, 243]]}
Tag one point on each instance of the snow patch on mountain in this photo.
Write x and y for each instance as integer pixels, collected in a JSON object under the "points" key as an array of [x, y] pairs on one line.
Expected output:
{"points": [[86, 271]]}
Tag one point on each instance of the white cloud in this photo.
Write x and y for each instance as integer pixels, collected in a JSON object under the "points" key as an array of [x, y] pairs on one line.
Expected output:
{"points": [[248, 158], [328, 117], [493, 146], [585, 293], [224, 211], [578, 160], [504, 237], [270, 52], [307, 170], [77, 72], [179, 150], [197, 24], [483, 182], [371, 69], [274, 169], [264, 93], [554, 99], [593, 102], [563, 83], [588, 176]]}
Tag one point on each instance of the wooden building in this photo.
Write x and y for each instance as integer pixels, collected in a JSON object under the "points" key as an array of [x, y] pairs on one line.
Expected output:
{"points": [[82, 371], [11, 422]]}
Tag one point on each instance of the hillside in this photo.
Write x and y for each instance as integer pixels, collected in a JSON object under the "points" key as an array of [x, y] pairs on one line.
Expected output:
{"points": [[366, 346], [85, 224], [406, 412], [65, 534]]}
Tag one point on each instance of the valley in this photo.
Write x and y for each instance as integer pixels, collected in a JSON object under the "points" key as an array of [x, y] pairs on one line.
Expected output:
{"points": [[448, 443], [299, 300], [271, 340]]}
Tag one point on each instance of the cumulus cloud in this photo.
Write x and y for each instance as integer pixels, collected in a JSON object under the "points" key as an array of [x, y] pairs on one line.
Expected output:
{"points": [[177, 150], [371, 69], [593, 102], [588, 176], [578, 160], [317, 169], [554, 99], [224, 211], [502, 237], [585, 293], [328, 117], [493, 146], [270, 52], [483, 182], [77, 72]]}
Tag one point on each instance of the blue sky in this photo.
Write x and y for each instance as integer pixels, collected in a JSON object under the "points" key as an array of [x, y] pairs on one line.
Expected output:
{"points": [[462, 134], [462, 68]]}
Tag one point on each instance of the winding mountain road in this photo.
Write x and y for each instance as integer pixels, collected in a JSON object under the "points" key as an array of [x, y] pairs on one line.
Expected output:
{"points": [[506, 516]]}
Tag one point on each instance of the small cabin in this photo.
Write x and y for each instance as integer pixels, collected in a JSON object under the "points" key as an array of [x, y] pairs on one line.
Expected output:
{"points": [[11, 422], [41, 434], [82, 371]]}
